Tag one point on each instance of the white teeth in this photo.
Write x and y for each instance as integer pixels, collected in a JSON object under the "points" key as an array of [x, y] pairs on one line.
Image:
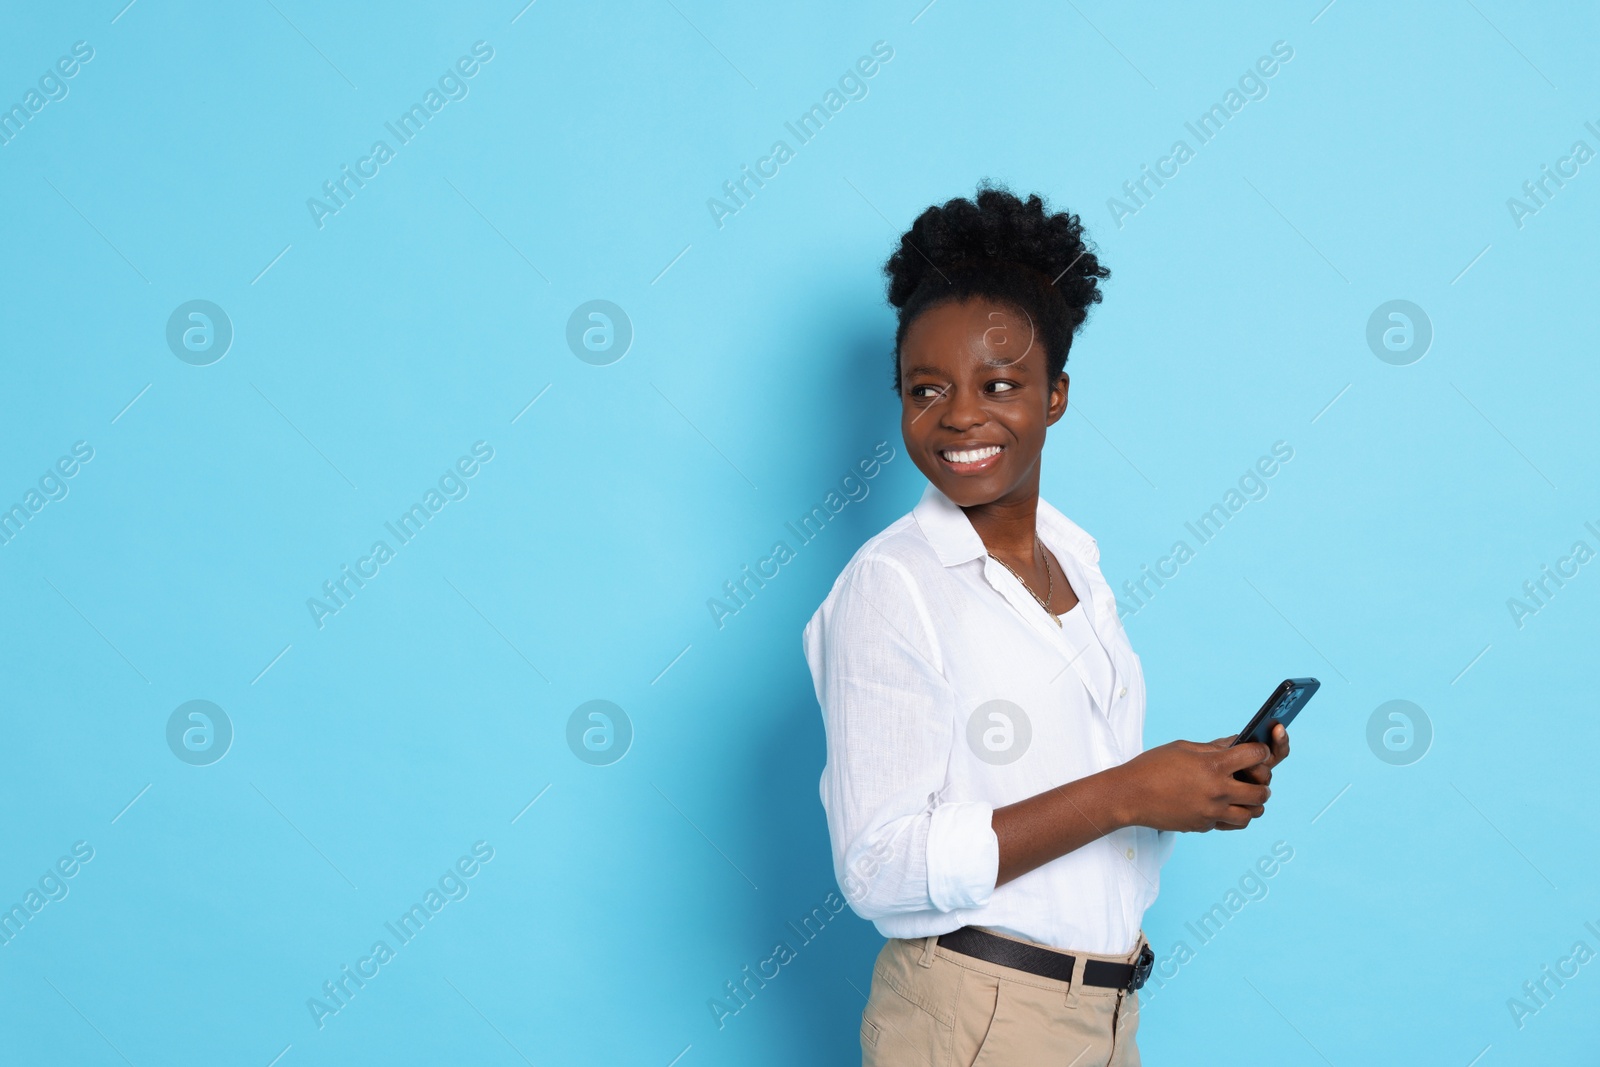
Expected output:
{"points": [[971, 455]]}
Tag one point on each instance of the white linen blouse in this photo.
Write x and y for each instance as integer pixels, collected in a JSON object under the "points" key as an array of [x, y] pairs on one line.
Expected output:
{"points": [[947, 691]]}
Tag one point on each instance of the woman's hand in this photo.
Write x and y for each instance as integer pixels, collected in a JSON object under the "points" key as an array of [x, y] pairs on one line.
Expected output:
{"points": [[1190, 786], [1186, 785], [1261, 773]]}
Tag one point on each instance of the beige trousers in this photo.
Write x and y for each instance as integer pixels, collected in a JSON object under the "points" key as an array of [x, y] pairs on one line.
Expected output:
{"points": [[931, 1007]]}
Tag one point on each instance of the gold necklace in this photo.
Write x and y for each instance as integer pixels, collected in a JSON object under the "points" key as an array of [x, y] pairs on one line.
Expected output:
{"points": [[1050, 577]]}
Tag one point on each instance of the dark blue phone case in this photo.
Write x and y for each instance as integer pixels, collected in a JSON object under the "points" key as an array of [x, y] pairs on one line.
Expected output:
{"points": [[1282, 706]]}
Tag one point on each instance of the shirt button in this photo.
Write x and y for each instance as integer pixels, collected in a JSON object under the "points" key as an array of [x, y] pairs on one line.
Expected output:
{"points": [[1130, 853], [1123, 691]]}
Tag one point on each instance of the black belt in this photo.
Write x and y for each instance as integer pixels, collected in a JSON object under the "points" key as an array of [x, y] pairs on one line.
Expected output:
{"points": [[1047, 963]]}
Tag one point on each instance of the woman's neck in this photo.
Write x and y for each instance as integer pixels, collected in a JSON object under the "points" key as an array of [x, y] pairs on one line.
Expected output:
{"points": [[1008, 526]]}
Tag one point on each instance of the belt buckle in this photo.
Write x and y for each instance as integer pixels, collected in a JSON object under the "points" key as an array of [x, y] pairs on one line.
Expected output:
{"points": [[1142, 967]]}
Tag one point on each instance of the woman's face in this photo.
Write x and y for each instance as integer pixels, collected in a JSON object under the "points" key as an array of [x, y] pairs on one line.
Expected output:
{"points": [[975, 400]]}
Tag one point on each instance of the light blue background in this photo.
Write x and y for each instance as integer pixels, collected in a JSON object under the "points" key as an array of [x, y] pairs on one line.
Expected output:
{"points": [[426, 315]]}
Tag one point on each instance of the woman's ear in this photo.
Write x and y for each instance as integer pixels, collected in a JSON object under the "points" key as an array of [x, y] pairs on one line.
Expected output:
{"points": [[1058, 400]]}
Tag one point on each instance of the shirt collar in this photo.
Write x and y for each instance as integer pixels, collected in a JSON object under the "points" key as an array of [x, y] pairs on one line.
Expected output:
{"points": [[950, 532]]}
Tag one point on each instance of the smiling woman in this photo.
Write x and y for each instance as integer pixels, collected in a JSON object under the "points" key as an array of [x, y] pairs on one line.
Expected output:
{"points": [[983, 708]]}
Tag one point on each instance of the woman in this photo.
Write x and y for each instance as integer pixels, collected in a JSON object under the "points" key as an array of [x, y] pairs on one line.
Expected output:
{"points": [[988, 801]]}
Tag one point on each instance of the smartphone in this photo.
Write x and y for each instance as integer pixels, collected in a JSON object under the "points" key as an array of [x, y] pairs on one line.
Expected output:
{"points": [[1282, 706]]}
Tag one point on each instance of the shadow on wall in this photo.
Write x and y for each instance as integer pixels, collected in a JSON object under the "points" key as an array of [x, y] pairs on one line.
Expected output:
{"points": [[845, 340]]}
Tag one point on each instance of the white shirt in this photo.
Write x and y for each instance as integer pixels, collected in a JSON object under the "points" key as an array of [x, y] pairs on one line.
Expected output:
{"points": [[1086, 648], [920, 634]]}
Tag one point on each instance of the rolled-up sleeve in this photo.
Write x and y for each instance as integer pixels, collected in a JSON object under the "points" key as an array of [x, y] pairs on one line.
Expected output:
{"points": [[963, 855], [901, 842]]}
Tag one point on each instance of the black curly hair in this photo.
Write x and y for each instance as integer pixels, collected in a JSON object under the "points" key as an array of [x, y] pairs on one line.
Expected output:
{"points": [[997, 246]]}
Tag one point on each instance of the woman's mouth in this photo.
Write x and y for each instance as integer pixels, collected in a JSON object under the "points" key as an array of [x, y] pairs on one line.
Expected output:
{"points": [[971, 460]]}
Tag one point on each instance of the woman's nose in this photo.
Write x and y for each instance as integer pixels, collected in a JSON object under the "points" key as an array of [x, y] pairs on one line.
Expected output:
{"points": [[962, 411]]}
